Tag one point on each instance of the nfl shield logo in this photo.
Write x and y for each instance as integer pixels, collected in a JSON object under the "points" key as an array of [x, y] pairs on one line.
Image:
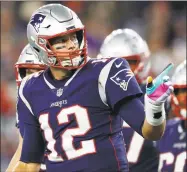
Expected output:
{"points": [[59, 92]]}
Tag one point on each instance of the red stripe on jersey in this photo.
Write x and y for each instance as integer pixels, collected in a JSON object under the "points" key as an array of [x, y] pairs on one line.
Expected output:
{"points": [[113, 144]]}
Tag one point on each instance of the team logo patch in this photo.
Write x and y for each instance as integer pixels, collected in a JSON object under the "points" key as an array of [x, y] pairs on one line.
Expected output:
{"points": [[59, 92], [36, 20], [122, 78]]}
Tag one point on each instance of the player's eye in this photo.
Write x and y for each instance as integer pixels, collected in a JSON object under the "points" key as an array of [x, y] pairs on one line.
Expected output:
{"points": [[60, 41], [74, 37], [60, 47]]}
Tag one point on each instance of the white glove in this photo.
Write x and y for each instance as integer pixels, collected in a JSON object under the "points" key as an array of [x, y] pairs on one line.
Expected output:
{"points": [[157, 92]]}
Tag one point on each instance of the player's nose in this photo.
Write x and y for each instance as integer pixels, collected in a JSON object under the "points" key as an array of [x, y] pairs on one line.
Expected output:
{"points": [[70, 44]]}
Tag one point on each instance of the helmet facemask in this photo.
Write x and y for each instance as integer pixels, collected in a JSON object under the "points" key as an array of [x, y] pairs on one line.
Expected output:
{"points": [[20, 70], [65, 59], [27, 60]]}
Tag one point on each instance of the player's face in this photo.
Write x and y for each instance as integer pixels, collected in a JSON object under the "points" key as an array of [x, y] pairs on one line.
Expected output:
{"points": [[66, 43], [31, 71]]}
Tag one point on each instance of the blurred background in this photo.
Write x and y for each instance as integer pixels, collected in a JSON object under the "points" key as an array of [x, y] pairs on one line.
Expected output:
{"points": [[161, 24]]}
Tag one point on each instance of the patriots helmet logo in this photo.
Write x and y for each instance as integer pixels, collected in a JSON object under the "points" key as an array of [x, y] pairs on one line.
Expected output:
{"points": [[36, 20], [122, 78]]}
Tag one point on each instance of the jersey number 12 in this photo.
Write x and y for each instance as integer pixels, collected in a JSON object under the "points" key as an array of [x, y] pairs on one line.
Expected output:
{"points": [[83, 126]]}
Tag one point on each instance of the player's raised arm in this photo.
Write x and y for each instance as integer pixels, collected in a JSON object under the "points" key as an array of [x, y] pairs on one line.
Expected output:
{"points": [[123, 96], [157, 92]]}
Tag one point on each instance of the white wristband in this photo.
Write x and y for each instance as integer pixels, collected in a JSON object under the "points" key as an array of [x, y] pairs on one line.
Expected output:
{"points": [[155, 114]]}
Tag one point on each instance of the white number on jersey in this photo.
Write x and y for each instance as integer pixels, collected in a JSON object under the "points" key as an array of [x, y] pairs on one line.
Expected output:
{"points": [[135, 146], [81, 114], [169, 159]]}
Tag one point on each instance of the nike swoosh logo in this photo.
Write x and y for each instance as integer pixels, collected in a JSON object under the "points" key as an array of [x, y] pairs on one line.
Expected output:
{"points": [[117, 66]]}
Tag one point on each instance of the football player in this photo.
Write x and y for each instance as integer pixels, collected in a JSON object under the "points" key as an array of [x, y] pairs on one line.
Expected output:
{"points": [[27, 64], [172, 146], [76, 106], [128, 44], [131, 47]]}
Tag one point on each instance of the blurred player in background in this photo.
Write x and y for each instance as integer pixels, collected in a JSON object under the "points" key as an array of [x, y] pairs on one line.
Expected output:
{"points": [[172, 146], [27, 64], [79, 102], [133, 48], [126, 43]]}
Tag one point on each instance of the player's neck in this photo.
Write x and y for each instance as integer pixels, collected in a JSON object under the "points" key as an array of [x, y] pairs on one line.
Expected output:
{"points": [[59, 74]]}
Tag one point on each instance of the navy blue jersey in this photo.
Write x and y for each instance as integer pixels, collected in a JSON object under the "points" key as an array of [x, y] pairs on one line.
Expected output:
{"points": [[43, 166], [172, 147], [77, 116], [142, 154], [143, 88]]}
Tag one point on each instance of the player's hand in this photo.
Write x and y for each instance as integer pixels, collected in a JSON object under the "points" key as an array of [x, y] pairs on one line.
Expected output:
{"points": [[159, 89]]}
